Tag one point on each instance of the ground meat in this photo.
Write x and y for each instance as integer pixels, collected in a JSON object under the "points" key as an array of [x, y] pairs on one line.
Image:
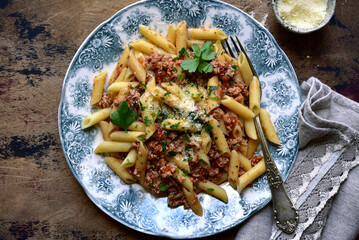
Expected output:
{"points": [[136, 145], [222, 161], [256, 159], [154, 150], [223, 69], [173, 203], [238, 91], [105, 101], [132, 98], [160, 133], [195, 144], [163, 66], [230, 121], [241, 171], [166, 169], [217, 158], [217, 114], [235, 143]]}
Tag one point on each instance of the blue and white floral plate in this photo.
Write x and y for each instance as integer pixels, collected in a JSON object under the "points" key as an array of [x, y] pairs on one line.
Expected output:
{"points": [[131, 205]]}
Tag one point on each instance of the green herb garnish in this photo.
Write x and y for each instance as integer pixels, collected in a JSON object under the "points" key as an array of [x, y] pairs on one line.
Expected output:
{"points": [[210, 189], [182, 52], [172, 153], [211, 89], [142, 139], [214, 98], [124, 116], [163, 144], [200, 57], [234, 67], [163, 187], [147, 121], [174, 126], [208, 128]]}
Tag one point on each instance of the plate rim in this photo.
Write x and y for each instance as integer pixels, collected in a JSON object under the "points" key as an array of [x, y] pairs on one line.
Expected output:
{"points": [[94, 200]]}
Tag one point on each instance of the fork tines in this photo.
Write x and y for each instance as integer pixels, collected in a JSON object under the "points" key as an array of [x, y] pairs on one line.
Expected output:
{"points": [[239, 48]]}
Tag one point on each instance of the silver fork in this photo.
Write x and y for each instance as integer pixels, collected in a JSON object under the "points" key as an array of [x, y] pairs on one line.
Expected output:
{"points": [[285, 214]]}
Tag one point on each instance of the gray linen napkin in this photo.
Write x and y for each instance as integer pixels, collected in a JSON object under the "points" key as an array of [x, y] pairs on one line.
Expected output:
{"points": [[328, 150]]}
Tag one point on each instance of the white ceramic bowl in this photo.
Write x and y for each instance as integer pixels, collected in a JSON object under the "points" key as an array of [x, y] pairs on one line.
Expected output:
{"points": [[330, 12]]}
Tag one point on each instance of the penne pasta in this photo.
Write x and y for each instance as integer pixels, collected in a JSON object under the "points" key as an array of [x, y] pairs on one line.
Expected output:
{"points": [[203, 159], [126, 136], [109, 146], [115, 165], [137, 126], [193, 202], [245, 69], [214, 190], [130, 159], [104, 130], [237, 107], [180, 161], [97, 89], [254, 96], [157, 39], [149, 110], [96, 118], [251, 147], [181, 125], [206, 34], [171, 34], [246, 164], [140, 167], [190, 42], [250, 128], [233, 169], [183, 178], [122, 63], [181, 36], [219, 138], [251, 175], [147, 48], [213, 94], [117, 86], [136, 67], [268, 127]]}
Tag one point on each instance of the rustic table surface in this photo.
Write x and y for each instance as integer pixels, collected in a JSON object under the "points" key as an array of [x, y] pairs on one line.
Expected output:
{"points": [[39, 196]]}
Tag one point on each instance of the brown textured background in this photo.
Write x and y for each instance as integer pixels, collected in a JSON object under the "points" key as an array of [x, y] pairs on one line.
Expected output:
{"points": [[39, 196]]}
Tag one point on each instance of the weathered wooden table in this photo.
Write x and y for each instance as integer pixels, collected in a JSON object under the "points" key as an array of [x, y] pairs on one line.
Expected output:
{"points": [[39, 196]]}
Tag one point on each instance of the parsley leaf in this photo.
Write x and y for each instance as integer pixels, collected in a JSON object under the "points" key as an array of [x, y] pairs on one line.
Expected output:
{"points": [[190, 65], [124, 116], [234, 67], [196, 50], [182, 52], [163, 187], [210, 189], [200, 58]]}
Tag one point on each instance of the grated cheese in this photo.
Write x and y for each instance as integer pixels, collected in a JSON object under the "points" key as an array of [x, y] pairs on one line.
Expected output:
{"points": [[302, 13]]}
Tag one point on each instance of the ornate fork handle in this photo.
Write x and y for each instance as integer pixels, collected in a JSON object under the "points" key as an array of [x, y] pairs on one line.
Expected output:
{"points": [[285, 214]]}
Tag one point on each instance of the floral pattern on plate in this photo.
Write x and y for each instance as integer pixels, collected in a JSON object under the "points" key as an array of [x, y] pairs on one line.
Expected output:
{"points": [[131, 205]]}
